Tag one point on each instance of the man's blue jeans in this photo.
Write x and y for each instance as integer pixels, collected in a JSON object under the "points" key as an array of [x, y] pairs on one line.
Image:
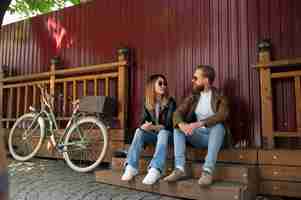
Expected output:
{"points": [[140, 139], [212, 138]]}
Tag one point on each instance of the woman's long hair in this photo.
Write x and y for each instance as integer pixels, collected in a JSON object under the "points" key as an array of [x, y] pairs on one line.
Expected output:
{"points": [[150, 93]]}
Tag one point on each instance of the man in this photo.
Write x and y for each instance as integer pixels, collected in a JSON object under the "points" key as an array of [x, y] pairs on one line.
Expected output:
{"points": [[3, 172], [200, 121]]}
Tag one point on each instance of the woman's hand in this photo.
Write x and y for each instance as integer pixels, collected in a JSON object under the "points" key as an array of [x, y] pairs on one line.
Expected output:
{"points": [[147, 126], [157, 128]]}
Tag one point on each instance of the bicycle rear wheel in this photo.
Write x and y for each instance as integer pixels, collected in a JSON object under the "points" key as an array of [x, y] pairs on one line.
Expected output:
{"points": [[85, 144], [26, 137]]}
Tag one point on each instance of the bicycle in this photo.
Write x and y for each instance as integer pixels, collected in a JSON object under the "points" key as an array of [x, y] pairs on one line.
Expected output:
{"points": [[81, 134]]}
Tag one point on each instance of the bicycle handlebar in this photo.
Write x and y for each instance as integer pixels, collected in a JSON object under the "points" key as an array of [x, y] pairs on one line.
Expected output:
{"points": [[46, 97]]}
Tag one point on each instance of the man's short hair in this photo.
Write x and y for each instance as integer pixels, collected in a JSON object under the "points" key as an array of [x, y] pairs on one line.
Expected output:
{"points": [[208, 72]]}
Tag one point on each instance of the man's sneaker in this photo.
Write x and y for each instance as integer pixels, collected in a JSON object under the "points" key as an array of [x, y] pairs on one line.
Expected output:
{"points": [[175, 175], [129, 173], [206, 179], [152, 176]]}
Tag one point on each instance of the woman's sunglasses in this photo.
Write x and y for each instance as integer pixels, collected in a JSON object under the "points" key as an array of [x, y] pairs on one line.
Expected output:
{"points": [[161, 83]]}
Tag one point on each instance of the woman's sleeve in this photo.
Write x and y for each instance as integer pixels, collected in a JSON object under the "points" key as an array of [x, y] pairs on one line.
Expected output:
{"points": [[144, 115], [171, 109]]}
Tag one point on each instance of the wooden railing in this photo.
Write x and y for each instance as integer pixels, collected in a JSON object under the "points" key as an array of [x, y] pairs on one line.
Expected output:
{"points": [[290, 69], [109, 79]]}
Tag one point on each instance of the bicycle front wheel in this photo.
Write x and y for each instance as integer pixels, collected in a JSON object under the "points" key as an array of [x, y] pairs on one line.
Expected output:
{"points": [[26, 137], [85, 144]]}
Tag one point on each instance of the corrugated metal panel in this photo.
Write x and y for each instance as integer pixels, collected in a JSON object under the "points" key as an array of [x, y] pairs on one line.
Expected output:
{"points": [[170, 37]]}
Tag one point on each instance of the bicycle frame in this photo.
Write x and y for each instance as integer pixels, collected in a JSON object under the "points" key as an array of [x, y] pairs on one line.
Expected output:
{"points": [[49, 116]]}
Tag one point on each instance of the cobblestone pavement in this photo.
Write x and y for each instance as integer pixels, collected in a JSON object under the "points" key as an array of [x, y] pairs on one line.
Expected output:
{"points": [[42, 179]]}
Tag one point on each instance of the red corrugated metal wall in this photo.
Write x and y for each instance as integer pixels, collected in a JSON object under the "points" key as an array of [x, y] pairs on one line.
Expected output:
{"points": [[169, 37]]}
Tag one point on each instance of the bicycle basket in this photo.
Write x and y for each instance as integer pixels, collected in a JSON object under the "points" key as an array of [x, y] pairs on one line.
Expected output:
{"points": [[98, 104]]}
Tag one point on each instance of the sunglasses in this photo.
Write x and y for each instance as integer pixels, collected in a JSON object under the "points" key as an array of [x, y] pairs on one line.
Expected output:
{"points": [[194, 78], [161, 83]]}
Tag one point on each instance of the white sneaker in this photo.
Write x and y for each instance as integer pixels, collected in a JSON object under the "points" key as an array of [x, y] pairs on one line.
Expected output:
{"points": [[152, 176], [129, 173]]}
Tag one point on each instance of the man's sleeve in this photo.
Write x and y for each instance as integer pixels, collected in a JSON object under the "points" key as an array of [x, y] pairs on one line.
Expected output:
{"points": [[221, 115], [181, 112]]}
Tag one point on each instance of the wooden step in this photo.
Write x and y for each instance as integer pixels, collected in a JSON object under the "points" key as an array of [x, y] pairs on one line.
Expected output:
{"points": [[280, 173], [245, 156], [181, 189], [246, 174], [281, 188], [279, 157]]}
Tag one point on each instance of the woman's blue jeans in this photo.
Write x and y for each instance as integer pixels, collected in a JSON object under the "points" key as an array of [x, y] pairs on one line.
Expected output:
{"points": [[140, 139]]}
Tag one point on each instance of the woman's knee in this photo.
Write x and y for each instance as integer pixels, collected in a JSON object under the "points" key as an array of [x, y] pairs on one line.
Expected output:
{"points": [[163, 136], [139, 133]]}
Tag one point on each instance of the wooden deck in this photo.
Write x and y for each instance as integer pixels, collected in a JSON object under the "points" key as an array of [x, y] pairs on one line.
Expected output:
{"points": [[182, 189], [240, 174]]}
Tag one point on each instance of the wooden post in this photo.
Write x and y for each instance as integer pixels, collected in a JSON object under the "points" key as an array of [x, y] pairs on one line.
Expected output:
{"points": [[266, 95], [266, 106], [122, 88]]}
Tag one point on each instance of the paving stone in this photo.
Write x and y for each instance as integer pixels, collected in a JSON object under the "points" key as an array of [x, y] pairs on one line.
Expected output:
{"points": [[42, 179]]}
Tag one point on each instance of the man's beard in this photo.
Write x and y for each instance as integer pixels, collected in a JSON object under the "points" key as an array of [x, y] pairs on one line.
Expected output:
{"points": [[197, 88]]}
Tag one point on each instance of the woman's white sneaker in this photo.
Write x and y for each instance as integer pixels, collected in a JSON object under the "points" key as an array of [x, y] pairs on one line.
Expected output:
{"points": [[152, 176], [129, 173]]}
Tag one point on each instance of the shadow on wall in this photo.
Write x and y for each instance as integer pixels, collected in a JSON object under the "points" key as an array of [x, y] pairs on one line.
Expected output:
{"points": [[129, 132], [240, 119]]}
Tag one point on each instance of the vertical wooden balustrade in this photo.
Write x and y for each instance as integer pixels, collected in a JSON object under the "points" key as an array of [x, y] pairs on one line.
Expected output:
{"points": [[290, 69], [20, 92]]}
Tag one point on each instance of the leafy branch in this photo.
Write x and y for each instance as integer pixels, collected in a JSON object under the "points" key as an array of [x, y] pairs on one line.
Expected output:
{"points": [[34, 7]]}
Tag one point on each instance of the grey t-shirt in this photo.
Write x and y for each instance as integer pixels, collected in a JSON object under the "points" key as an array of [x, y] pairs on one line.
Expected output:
{"points": [[157, 112]]}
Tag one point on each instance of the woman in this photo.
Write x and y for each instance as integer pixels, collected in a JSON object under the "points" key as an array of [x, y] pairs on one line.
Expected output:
{"points": [[156, 127]]}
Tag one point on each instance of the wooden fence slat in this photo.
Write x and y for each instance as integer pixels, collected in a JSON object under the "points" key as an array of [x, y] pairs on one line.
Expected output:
{"points": [[65, 98], [18, 101], [26, 99], [107, 87], [85, 87], [298, 101], [34, 95], [10, 103], [74, 90], [95, 87]]}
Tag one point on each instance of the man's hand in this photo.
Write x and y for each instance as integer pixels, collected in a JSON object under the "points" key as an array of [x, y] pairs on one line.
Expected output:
{"points": [[188, 128], [184, 128], [147, 126]]}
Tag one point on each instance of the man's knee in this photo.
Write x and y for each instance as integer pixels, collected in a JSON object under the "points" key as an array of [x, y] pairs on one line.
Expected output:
{"points": [[218, 128]]}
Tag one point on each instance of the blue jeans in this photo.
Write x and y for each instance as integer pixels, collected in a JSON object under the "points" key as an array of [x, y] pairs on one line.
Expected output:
{"points": [[140, 139], [212, 138]]}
